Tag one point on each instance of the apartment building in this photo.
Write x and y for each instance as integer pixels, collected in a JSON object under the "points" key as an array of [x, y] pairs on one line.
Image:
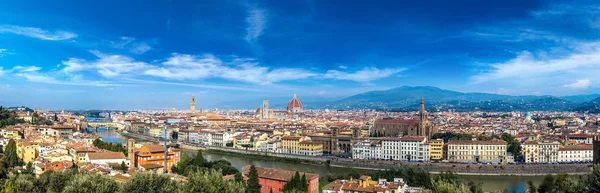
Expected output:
{"points": [[476, 151]]}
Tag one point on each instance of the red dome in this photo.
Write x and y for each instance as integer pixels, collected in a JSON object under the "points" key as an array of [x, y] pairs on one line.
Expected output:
{"points": [[259, 110], [294, 104]]}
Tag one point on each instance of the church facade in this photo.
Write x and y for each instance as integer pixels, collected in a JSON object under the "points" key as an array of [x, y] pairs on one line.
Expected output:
{"points": [[397, 128]]}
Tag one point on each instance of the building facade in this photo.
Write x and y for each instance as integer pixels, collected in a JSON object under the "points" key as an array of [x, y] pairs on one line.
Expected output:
{"points": [[436, 149], [476, 151], [398, 128], [273, 180]]}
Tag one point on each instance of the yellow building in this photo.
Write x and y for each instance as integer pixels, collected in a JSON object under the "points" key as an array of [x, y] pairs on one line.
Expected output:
{"points": [[476, 151], [281, 132], [27, 151], [10, 133], [436, 149], [310, 148], [289, 144]]}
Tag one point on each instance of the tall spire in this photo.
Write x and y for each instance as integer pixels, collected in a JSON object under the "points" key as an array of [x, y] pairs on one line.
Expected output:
{"points": [[422, 107]]}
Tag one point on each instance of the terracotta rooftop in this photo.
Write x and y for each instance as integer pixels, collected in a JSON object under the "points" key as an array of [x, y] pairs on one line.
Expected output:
{"points": [[397, 121], [106, 155], [278, 174], [576, 148], [471, 142]]}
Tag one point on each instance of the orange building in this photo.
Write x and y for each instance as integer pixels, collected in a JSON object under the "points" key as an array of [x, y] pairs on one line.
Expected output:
{"points": [[153, 156]]}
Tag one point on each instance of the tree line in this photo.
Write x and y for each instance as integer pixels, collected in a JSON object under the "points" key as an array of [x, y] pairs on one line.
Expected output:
{"points": [[118, 147]]}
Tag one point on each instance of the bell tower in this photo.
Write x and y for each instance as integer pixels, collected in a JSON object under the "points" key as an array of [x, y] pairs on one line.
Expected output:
{"points": [[422, 119], [193, 104], [131, 152]]}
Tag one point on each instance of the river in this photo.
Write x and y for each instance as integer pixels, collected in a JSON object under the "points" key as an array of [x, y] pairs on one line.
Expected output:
{"points": [[490, 183]]}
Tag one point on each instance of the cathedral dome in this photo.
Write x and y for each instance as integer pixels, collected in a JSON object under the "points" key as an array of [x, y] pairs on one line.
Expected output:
{"points": [[294, 105]]}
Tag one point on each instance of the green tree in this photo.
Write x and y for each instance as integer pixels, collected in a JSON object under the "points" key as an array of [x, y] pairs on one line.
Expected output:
{"points": [[253, 184], [239, 177], [91, 183], [10, 157], [531, 188], [199, 159], [547, 185], [28, 169], [475, 187], [124, 167], [210, 181], [21, 183], [304, 183], [442, 186], [593, 180], [149, 183]]}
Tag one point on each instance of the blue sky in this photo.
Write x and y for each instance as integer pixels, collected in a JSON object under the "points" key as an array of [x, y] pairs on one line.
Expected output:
{"points": [[157, 53]]}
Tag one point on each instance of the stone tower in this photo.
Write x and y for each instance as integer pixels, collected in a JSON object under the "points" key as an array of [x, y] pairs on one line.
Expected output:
{"points": [[423, 119], [193, 104], [265, 109], [131, 153], [335, 145]]}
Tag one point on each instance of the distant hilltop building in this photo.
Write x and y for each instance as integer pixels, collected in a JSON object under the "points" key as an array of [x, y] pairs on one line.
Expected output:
{"points": [[395, 128], [294, 110]]}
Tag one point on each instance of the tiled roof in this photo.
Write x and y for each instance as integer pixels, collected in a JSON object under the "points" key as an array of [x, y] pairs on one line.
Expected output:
{"points": [[278, 174], [471, 142], [106, 155]]}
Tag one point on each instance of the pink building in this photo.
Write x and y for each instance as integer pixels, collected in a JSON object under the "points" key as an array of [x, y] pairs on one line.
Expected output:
{"points": [[275, 179]]}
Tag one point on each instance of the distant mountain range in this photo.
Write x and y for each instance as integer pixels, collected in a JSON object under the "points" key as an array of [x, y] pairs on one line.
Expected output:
{"points": [[407, 98]]}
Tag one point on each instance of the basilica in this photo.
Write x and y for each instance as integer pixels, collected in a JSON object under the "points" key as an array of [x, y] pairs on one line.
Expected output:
{"points": [[294, 110]]}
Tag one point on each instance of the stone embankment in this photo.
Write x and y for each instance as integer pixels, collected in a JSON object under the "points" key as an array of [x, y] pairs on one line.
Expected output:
{"points": [[468, 169], [262, 153]]}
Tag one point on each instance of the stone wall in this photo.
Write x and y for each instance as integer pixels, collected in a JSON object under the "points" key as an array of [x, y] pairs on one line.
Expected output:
{"points": [[468, 169], [283, 155]]}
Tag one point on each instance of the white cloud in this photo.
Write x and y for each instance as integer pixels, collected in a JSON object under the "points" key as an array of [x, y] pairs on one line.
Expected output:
{"points": [[26, 68], [580, 84], [2, 52], [129, 43], [364, 75], [257, 20], [343, 67], [39, 78], [2, 71], [526, 65], [37, 33], [106, 65], [184, 66]]}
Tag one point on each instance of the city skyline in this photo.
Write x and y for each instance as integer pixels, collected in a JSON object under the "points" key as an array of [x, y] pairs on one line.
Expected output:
{"points": [[157, 54]]}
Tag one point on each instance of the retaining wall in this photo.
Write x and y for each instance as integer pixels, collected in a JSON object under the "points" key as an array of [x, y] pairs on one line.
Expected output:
{"points": [[468, 169]]}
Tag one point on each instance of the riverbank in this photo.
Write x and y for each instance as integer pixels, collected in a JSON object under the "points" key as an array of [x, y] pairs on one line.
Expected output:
{"points": [[467, 169], [268, 158], [141, 138], [433, 168]]}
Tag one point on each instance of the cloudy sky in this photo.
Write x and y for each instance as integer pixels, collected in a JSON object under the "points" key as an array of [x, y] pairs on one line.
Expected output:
{"points": [[152, 54]]}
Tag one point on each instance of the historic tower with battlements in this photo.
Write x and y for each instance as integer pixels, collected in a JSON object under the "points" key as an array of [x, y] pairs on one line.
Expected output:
{"points": [[193, 104]]}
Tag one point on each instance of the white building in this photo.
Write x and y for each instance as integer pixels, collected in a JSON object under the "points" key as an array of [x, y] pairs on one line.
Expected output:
{"points": [[531, 151], [271, 146], [106, 158], [219, 139], [548, 151], [390, 148], [414, 148], [576, 153], [367, 150]]}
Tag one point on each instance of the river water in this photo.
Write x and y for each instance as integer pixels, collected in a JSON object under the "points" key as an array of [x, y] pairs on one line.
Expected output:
{"points": [[490, 183]]}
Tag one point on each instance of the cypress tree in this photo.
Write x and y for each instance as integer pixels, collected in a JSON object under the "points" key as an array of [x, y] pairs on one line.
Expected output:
{"points": [[297, 183], [304, 183], [253, 184], [199, 159], [10, 157], [238, 177]]}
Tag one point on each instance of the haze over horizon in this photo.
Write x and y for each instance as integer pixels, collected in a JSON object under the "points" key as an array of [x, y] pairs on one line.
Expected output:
{"points": [[157, 53]]}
